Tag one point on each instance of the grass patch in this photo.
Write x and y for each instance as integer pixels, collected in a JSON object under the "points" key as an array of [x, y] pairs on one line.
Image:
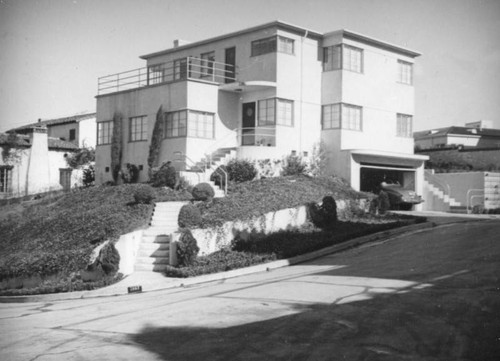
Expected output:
{"points": [[255, 198]]}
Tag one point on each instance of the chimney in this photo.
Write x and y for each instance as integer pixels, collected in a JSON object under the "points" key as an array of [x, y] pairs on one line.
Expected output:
{"points": [[179, 42]]}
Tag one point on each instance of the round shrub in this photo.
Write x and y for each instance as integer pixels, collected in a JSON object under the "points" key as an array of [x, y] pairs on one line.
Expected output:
{"points": [[329, 209], [165, 176], [219, 177], [189, 216], [187, 249], [203, 192], [294, 165], [315, 214], [241, 170], [109, 259], [144, 194]]}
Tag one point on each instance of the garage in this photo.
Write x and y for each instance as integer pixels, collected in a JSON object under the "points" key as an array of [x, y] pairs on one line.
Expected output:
{"points": [[371, 176]]}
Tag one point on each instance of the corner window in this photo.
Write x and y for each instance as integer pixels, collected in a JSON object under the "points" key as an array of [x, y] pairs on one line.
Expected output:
{"points": [[405, 72], [189, 123], [104, 132], [275, 111], [340, 115], [5, 179], [207, 64], [272, 44], [343, 56], [138, 128], [404, 126], [180, 69]]}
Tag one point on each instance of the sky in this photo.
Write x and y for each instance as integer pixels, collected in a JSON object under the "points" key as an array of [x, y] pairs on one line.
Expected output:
{"points": [[53, 51]]}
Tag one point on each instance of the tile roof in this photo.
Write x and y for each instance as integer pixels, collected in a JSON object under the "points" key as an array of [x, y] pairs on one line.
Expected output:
{"points": [[49, 122], [24, 141]]}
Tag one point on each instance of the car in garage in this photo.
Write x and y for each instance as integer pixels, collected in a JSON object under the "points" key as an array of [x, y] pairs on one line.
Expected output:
{"points": [[399, 197]]}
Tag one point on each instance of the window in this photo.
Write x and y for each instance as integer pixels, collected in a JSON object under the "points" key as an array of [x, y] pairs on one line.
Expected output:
{"points": [[189, 123], [155, 74], [284, 114], [207, 64], [275, 111], [405, 72], [176, 124], [5, 179], [272, 44], [404, 126], [340, 115], [104, 132], [72, 134], [266, 112], [200, 125], [138, 128], [343, 57], [331, 116], [180, 69]]}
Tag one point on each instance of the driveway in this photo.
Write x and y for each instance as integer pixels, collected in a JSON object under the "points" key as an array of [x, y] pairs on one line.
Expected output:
{"points": [[432, 295]]}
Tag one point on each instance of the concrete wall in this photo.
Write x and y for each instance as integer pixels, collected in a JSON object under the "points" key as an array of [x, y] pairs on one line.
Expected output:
{"points": [[87, 132]]}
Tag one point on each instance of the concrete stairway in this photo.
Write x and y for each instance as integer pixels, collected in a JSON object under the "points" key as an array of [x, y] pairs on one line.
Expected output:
{"points": [[437, 200], [154, 250]]}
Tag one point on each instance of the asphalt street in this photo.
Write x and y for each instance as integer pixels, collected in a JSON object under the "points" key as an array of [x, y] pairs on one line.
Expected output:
{"points": [[431, 295]]}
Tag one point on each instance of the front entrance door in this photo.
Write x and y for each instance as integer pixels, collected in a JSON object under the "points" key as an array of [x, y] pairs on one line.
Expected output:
{"points": [[248, 131], [230, 65]]}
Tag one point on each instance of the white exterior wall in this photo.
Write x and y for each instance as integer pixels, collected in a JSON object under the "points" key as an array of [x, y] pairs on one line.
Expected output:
{"points": [[86, 133]]}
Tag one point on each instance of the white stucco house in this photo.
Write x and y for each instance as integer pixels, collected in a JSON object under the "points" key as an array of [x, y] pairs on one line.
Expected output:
{"points": [[266, 92]]}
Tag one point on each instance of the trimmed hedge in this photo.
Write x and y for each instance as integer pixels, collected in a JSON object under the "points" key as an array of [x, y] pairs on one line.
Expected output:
{"points": [[189, 216], [203, 192]]}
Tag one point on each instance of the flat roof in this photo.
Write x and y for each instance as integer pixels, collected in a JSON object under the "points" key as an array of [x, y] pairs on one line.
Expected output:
{"points": [[294, 29]]}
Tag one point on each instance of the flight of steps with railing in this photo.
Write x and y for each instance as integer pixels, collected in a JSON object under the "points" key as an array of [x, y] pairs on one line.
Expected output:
{"points": [[154, 249], [202, 170], [436, 199]]}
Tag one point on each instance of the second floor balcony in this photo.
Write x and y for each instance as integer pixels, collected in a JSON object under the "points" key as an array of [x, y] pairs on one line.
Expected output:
{"points": [[189, 68]]}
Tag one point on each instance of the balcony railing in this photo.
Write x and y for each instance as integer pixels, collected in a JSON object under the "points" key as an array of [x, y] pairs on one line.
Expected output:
{"points": [[189, 68]]}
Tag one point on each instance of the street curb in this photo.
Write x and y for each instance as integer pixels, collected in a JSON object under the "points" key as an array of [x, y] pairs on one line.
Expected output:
{"points": [[222, 276]]}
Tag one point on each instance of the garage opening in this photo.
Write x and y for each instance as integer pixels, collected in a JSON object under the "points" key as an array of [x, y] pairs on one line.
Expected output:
{"points": [[371, 176]]}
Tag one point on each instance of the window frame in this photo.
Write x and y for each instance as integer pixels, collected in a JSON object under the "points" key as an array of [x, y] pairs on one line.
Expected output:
{"points": [[207, 64], [275, 117], [180, 69], [190, 128], [104, 136], [405, 72], [339, 61], [404, 125], [72, 134], [272, 44], [138, 134], [338, 119], [6, 174]]}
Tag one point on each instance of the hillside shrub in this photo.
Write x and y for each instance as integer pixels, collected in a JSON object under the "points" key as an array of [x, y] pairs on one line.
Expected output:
{"points": [[164, 176], [189, 216], [88, 176], [241, 170], [144, 194], [220, 261], [294, 165], [329, 209], [203, 192], [130, 174], [187, 248], [324, 216]]}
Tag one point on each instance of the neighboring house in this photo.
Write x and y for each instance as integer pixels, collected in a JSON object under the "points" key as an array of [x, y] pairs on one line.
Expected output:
{"points": [[33, 163], [77, 129], [266, 92], [477, 134]]}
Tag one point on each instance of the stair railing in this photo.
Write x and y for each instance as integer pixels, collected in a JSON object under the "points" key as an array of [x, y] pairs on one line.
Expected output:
{"points": [[219, 169], [193, 163], [470, 196], [213, 147]]}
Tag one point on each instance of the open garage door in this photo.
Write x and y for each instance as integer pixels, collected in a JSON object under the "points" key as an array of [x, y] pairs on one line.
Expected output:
{"points": [[372, 175]]}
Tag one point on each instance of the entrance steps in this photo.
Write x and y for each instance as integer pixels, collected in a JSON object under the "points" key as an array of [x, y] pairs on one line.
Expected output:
{"points": [[437, 200], [154, 250]]}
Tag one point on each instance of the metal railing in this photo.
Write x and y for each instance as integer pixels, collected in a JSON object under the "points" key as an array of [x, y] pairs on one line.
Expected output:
{"points": [[470, 196], [189, 68], [185, 159]]}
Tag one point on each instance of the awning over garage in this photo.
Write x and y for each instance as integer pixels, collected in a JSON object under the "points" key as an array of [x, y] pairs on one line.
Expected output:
{"points": [[389, 159]]}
